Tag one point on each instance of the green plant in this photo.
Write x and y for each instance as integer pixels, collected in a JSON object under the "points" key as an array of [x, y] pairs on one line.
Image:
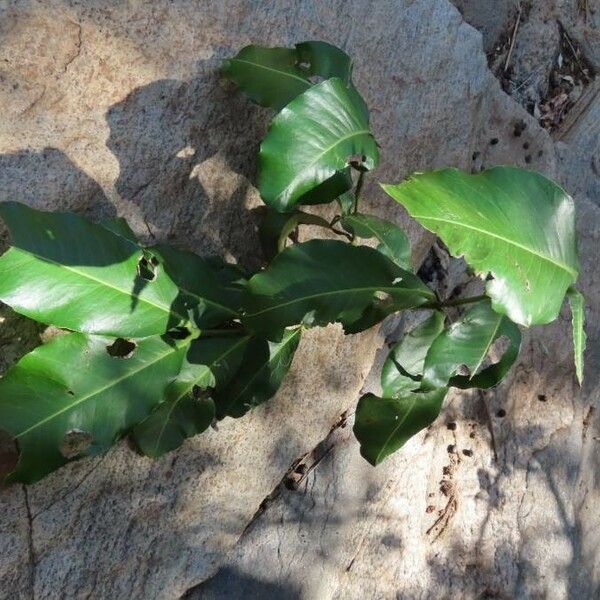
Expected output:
{"points": [[159, 342]]}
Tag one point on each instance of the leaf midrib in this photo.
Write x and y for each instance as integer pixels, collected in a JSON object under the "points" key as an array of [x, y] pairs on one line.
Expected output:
{"points": [[312, 164], [394, 431], [560, 265], [98, 391], [284, 73], [85, 275], [263, 367], [371, 289], [190, 387], [488, 345]]}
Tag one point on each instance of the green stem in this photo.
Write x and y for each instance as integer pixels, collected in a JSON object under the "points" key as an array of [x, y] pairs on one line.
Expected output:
{"points": [[358, 190], [456, 302], [222, 332]]}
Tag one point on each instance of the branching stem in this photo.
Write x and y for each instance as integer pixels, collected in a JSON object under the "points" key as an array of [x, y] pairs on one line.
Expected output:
{"points": [[358, 190], [456, 302]]}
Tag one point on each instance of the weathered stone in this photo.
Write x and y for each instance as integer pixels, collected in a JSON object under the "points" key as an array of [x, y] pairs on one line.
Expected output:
{"points": [[113, 107], [491, 17], [504, 503]]}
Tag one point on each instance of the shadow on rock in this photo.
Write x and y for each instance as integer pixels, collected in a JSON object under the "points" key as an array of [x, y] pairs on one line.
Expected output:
{"points": [[48, 180], [231, 584], [182, 147]]}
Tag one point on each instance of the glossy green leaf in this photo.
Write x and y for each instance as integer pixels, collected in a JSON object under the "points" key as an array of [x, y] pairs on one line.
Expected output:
{"points": [[325, 60], [70, 398], [577, 302], [383, 425], [393, 242], [315, 136], [515, 224], [276, 227], [66, 271], [403, 368], [264, 365], [333, 187], [188, 409], [275, 76], [212, 293], [466, 343], [121, 227], [322, 281]]}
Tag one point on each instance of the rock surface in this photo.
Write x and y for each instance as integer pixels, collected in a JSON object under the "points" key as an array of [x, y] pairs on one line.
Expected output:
{"points": [[118, 108]]}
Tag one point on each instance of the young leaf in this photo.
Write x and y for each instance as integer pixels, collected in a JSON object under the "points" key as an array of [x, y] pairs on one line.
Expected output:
{"points": [[322, 281], [210, 362], [467, 342], [78, 394], [576, 300], [404, 365], [275, 76], [515, 224], [394, 242], [270, 76], [276, 227], [213, 294], [65, 271], [264, 365], [325, 60], [312, 138], [383, 425]]}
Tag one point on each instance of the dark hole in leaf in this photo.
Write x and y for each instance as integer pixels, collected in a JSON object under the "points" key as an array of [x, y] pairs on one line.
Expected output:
{"points": [[356, 161], [501, 413], [121, 348], [489, 277], [451, 426], [463, 370], [467, 452], [147, 267], [75, 443], [542, 397], [70, 392], [178, 333]]}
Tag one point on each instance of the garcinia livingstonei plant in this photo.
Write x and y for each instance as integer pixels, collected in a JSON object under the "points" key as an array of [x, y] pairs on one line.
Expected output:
{"points": [[157, 343]]}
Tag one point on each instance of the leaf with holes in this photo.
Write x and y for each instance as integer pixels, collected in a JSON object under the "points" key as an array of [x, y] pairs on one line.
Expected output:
{"points": [[70, 398], [515, 224], [275, 76], [393, 242], [323, 281], [576, 300], [264, 365], [312, 139], [188, 408], [66, 271], [211, 292], [383, 425], [467, 343], [403, 368]]}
